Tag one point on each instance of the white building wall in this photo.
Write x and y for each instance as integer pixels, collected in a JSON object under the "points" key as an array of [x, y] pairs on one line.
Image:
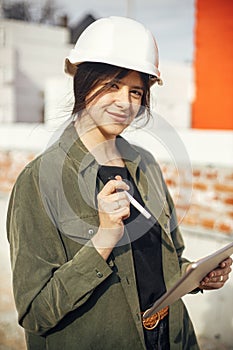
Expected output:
{"points": [[37, 59], [58, 100], [212, 147], [7, 88], [173, 99], [38, 53], [7, 105]]}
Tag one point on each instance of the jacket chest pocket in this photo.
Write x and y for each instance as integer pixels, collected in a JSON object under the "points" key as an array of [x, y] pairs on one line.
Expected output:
{"points": [[79, 229]]}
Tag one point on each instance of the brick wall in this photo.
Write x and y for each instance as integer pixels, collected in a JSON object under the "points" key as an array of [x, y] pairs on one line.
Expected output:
{"points": [[11, 164], [203, 199]]}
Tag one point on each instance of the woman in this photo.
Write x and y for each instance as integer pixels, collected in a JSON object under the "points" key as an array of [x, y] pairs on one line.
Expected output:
{"points": [[85, 262]]}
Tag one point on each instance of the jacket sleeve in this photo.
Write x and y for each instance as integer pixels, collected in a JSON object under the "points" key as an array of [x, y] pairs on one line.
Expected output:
{"points": [[46, 285]]}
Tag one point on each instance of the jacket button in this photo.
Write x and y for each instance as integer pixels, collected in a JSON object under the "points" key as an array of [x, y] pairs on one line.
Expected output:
{"points": [[99, 274], [90, 231]]}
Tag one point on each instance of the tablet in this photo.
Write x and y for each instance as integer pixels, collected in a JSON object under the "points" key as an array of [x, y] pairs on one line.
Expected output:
{"points": [[191, 279]]}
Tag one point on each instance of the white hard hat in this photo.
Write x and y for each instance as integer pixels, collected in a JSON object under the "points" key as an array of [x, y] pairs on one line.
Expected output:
{"points": [[118, 41]]}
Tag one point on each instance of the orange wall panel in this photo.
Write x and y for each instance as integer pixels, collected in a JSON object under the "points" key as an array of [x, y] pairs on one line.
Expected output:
{"points": [[213, 65]]}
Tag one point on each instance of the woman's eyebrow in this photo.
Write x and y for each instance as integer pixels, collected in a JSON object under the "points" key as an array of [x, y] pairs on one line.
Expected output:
{"points": [[137, 87], [118, 81]]}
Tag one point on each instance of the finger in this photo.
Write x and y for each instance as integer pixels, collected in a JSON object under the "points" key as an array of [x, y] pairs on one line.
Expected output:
{"points": [[114, 185], [119, 214], [119, 205], [126, 215], [218, 279], [213, 283], [211, 286], [123, 212], [215, 278], [227, 262], [122, 204], [220, 271], [113, 202], [118, 196]]}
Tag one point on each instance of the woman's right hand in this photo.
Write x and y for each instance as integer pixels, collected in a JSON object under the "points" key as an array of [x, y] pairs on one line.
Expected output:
{"points": [[113, 206]]}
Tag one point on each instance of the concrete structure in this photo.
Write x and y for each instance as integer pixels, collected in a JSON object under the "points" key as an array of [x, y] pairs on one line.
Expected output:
{"points": [[30, 54], [212, 147], [174, 99], [34, 88]]}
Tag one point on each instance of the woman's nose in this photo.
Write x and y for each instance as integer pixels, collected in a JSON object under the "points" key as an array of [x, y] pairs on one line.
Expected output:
{"points": [[123, 97]]}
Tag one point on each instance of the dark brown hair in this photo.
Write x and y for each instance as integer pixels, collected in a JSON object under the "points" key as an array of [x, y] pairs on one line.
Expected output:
{"points": [[90, 74]]}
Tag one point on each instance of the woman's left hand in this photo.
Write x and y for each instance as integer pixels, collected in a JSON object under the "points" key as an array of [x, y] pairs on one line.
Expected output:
{"points": [[218, 277]]}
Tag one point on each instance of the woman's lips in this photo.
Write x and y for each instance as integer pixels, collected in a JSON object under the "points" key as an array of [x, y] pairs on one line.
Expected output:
{"points": [[118, 117]]}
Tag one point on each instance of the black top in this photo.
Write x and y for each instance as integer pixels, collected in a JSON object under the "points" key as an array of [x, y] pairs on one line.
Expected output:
{"points": [[146, 243]]}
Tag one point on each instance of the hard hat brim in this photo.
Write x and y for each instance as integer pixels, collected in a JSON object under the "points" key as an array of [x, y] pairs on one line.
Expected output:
{"points": [[71, 69]]}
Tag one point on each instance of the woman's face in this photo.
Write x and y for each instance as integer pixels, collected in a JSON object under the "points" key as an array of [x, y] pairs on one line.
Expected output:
{"points": [[115, 108]]}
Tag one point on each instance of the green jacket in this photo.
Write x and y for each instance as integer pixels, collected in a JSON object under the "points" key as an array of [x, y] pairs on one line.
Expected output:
{"points": [[67, 296]]}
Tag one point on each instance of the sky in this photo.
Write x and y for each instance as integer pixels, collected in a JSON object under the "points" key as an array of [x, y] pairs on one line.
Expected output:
{"points": [[171, 21]]}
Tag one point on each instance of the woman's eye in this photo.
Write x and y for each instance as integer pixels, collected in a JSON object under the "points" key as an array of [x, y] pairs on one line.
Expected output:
{"points": [[110, 85], [114, 86], [137, 93]]}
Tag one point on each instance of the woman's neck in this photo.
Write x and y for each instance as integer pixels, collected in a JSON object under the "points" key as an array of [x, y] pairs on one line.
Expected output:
{"points": [[104, 150]]}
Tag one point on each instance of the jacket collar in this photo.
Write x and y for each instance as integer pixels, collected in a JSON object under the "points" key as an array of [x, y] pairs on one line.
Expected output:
{"points": [[87, 166], [71, 143]]}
